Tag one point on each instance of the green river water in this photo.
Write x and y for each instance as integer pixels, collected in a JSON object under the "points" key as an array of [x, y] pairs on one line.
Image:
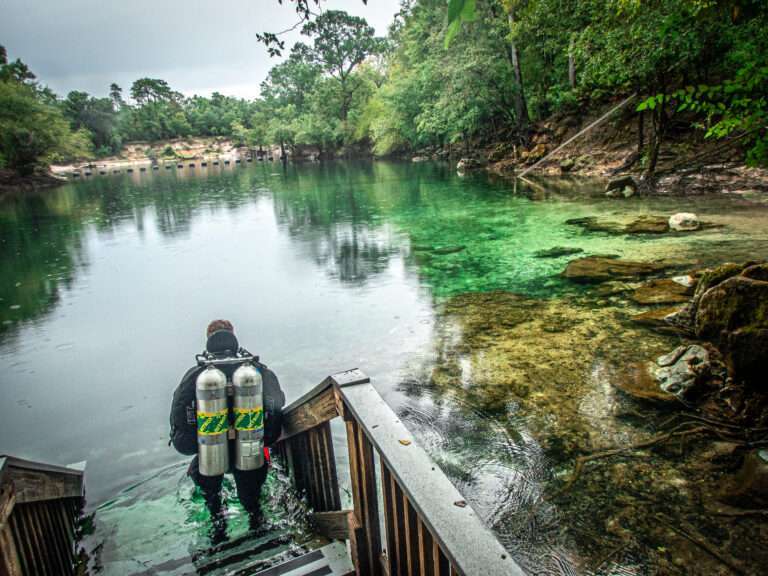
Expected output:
{"points": [[427, 281]]}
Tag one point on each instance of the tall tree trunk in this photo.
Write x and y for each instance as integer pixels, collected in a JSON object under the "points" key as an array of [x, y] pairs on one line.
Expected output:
{"points": [[521, 109], [571, 65], [657, 131], [640, 132]]}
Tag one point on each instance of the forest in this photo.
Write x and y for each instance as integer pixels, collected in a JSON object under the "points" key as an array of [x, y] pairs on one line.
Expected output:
{"points": [[458, 72]]}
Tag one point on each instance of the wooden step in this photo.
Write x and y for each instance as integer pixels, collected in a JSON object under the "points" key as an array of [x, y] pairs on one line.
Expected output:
{"points": [[332, 559]]}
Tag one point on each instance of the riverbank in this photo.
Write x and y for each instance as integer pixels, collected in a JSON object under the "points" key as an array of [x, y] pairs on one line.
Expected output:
{"points": [[688, 164], [11, 182]]}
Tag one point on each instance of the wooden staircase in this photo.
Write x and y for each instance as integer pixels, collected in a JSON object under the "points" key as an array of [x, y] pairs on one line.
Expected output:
{"points": [[407, 519]]}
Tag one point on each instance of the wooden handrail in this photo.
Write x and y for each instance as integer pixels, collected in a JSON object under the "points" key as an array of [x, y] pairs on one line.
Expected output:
{"points": [[39, 506], [429, 528]]}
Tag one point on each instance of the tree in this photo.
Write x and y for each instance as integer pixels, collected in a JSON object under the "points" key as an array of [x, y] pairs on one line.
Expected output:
{"points": [[116, 95], [340, 43], [145, 90], [34, 133]]}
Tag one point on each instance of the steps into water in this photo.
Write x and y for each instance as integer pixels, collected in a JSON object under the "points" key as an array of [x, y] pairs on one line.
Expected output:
{"points": [[332, 559]]}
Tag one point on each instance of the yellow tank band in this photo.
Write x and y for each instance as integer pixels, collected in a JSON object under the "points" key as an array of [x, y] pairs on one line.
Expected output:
{"points": [[247, 419], [212, 423]]}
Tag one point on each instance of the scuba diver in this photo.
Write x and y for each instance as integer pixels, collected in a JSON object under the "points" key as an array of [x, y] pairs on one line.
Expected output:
{"points": [[227, 411]]}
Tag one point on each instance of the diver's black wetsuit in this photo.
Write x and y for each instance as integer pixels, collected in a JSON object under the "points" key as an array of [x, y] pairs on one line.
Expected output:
{"points": [[184, 439]]}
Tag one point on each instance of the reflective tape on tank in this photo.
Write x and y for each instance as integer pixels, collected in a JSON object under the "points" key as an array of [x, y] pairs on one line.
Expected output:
{"points": [[214, 394], [210, 423], [249, 419]]}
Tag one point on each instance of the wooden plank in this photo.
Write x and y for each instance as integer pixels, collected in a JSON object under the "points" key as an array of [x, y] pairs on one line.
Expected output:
{"points": [[399, 526], [358, 540], [330, 459], [41, 548], [426, 560], [323, 490], [349, 378], [469, 545], [22, 543], [11, 462], [62, 532], [411, 537], [314, 412], [7, 502], [13, 527], [439, 560], [36, 485], [333, 525], [56, 536], [389, 519], [10, 565], [55, 553], [370, 501]]}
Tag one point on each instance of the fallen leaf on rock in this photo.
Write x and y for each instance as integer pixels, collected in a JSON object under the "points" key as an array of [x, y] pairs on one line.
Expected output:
{"points": [[460, 503], [405, 442]]}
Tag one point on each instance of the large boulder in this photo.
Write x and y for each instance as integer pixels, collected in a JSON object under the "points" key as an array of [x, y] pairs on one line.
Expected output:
{"points": [[737, 303], [733, 314], [596, 269], [684, 222]]}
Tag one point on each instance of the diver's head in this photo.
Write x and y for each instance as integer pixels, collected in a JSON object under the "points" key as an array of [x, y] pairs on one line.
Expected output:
{"points": [[221, 338], [217, 325]]}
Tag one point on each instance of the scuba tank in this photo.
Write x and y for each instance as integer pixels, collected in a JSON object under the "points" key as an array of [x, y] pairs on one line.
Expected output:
{"points": [[212, 421], [248, 411]]}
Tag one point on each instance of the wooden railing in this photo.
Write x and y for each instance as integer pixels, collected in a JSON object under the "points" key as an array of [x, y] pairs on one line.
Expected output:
{"points": [[428, 527], [39, 506]]}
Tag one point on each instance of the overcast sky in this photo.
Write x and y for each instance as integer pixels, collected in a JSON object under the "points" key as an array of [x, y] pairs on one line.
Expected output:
{"points": [[198, 46]]}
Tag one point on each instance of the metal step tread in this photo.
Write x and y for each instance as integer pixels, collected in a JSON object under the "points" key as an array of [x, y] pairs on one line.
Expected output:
{"points": [[332, 559]]}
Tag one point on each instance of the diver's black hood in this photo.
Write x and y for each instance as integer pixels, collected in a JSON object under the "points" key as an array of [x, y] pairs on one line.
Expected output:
{"points": [[222, 343]]}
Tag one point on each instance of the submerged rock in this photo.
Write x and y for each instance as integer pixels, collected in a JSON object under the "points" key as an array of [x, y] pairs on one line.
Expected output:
{"points": [[592, 224], [596, 269], [683, 369], [467, 164], [749, 488], [448, 250], [648, 225], [638, 381], [663, 291], [674, 375], [659, 319], [557, 252], [621, 187], [684, 222]]}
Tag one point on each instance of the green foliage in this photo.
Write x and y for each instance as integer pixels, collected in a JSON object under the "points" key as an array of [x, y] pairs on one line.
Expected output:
{"points": [[33, 130], [458, 11], [736, 104]]}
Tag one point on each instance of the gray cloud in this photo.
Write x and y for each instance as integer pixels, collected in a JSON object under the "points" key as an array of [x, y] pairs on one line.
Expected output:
{"points": [[198, 46]]}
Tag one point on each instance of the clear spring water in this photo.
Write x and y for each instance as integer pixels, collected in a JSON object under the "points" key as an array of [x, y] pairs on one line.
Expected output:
{"points": [[405, 271]]}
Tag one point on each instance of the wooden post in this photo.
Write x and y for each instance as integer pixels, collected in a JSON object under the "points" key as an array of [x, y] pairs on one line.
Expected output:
{"points": [[9, 557]]}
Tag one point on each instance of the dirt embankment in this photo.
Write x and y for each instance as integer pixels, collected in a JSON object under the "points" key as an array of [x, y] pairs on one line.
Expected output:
{"points": [[687, 163], [162, 151]]}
